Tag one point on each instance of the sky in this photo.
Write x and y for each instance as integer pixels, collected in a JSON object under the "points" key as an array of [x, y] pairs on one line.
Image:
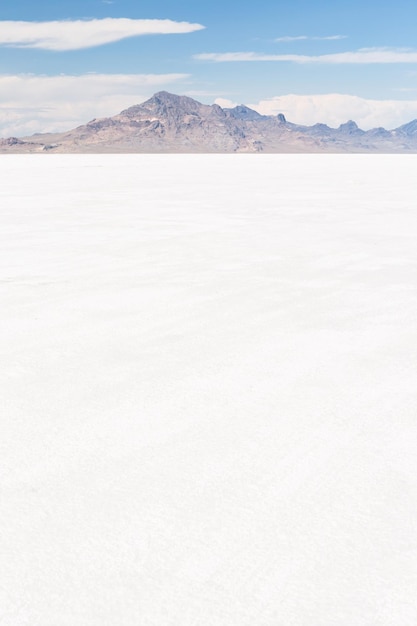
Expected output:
{"points": [[63, 62]]}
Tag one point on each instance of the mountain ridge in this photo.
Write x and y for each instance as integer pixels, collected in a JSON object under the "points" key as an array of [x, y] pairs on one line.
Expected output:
{"points": [[172, 123]]}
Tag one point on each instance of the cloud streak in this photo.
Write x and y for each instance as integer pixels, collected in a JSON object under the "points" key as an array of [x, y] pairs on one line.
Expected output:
{"points": [[31, 103], [79, 34], [289, 38], [362, 56]]}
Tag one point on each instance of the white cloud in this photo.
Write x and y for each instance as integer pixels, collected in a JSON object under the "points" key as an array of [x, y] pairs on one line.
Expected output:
{"points": [[31, 104], [225, 103], [362, 56], [77, 34], [289, 38], [334, 109]]}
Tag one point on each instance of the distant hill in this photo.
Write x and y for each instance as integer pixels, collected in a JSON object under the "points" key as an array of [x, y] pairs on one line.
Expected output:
{"points": [[171, 123]]}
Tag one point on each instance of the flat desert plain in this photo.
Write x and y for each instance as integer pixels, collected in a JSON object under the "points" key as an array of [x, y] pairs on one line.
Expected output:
{"points": [[208, 406]]}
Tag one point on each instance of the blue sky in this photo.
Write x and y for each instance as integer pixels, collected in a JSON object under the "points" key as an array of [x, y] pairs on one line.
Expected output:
{"points": [[62, 63]]}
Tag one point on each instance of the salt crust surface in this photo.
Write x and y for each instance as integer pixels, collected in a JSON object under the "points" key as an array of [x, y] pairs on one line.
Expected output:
{"points": [[208, 413]]}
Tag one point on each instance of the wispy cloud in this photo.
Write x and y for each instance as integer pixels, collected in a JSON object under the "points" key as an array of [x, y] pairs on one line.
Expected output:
{"points": [[335, 108], [77, 34], [31, 103], [362, 56], [289, 38]]}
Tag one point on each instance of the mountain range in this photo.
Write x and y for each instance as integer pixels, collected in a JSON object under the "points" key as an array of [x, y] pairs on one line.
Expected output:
{"points": [[171, 123]]}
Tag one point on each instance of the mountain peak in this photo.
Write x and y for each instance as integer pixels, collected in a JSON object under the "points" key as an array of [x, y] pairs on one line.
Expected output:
{"points": [[242, 112], [169, 98], [163, 101], [165, 94], [350, 128], [409, 129]]}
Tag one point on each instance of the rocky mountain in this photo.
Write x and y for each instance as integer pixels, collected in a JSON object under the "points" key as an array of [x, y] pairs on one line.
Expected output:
{"points": [[171, 123]]}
